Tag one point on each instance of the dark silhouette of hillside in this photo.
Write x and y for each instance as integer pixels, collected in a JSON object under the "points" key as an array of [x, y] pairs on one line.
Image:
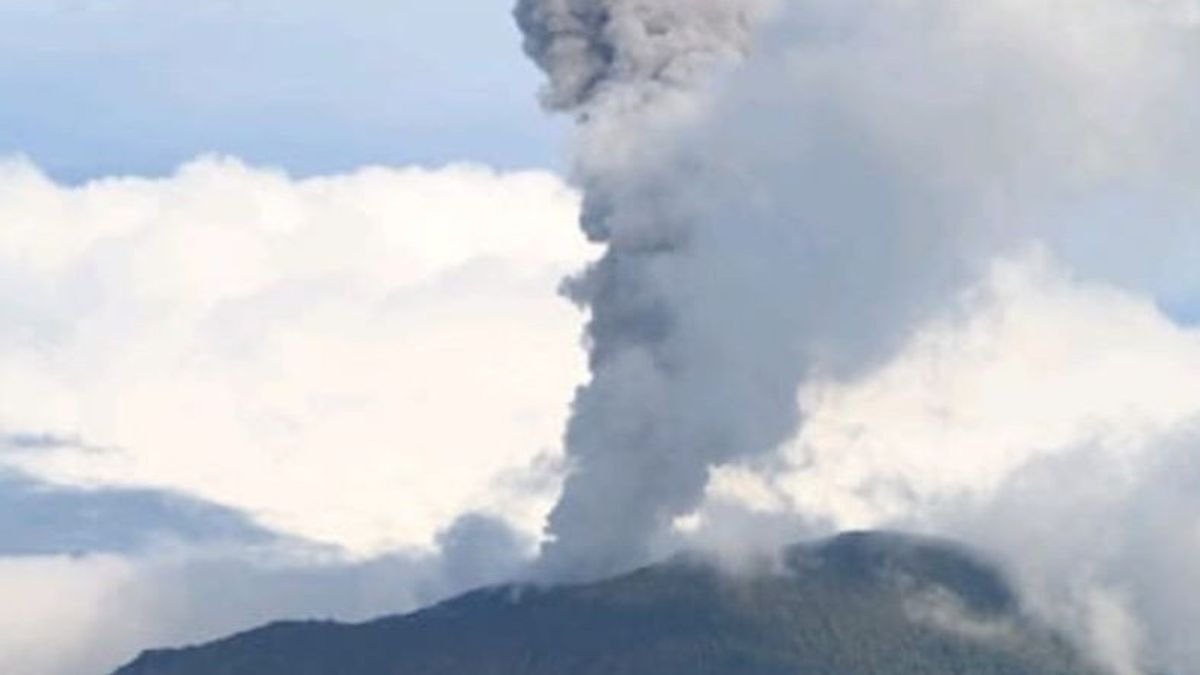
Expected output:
{"points": [[862, 603]]}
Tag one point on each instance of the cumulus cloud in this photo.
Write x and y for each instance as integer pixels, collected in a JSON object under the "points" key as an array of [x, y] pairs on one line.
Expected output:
{"points": [[1036, 362], [1051, 422], [355, 359], [230, 396]]}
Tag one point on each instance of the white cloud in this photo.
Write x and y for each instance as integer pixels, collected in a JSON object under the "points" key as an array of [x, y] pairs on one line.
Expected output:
{"points": [[1033, 363], [59, 606], [1037, 363], [1051, 422], [354, 359], [91, 614]]}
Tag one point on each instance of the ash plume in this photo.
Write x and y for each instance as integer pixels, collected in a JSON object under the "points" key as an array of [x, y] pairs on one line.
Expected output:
{"points": [[636, 460], [596, 48], [790, 191]]}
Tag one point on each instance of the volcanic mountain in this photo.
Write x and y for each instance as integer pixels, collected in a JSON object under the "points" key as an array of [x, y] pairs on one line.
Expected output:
{"points": [[857, 604]]}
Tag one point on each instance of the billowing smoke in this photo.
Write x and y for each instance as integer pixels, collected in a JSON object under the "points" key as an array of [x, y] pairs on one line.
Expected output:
{"points": [[596, 49], [789, 191], [640, 452]]}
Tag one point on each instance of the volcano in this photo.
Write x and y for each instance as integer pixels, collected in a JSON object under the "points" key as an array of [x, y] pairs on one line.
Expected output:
{"points": [[857, 604]]}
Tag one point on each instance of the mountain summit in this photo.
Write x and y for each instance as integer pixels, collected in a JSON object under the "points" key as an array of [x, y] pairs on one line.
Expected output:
{"points": [[857, 604]]}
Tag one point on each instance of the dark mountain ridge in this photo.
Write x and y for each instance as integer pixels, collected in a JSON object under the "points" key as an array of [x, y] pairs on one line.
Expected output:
{"points": [[860, 603]]}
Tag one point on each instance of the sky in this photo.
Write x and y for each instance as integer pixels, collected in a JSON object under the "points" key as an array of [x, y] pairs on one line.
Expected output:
{"points": [[99, 87], [287, 332]]}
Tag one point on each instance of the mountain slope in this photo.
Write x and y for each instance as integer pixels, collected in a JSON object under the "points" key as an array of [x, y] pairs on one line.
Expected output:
{"points": [[877, 604]]}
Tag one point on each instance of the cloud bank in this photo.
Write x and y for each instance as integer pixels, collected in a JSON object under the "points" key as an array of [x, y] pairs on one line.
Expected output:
{"points": [[92, 613], [1051, 423], [386, 342], [231, 396]]}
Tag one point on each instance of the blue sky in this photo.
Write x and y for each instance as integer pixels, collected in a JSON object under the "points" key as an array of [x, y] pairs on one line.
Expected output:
{"points": [[93, 87]]}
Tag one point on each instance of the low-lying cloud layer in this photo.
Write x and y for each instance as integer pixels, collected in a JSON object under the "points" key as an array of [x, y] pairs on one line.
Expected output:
{"points": [[88, 614]]}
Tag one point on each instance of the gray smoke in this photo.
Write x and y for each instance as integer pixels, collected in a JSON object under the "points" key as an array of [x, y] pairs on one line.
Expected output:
{"points": [[636, 460], [592, 49], [789, 193]]}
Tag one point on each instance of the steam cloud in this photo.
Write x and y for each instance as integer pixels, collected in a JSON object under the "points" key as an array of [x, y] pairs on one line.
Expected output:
{"points": [[788, 192]]}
